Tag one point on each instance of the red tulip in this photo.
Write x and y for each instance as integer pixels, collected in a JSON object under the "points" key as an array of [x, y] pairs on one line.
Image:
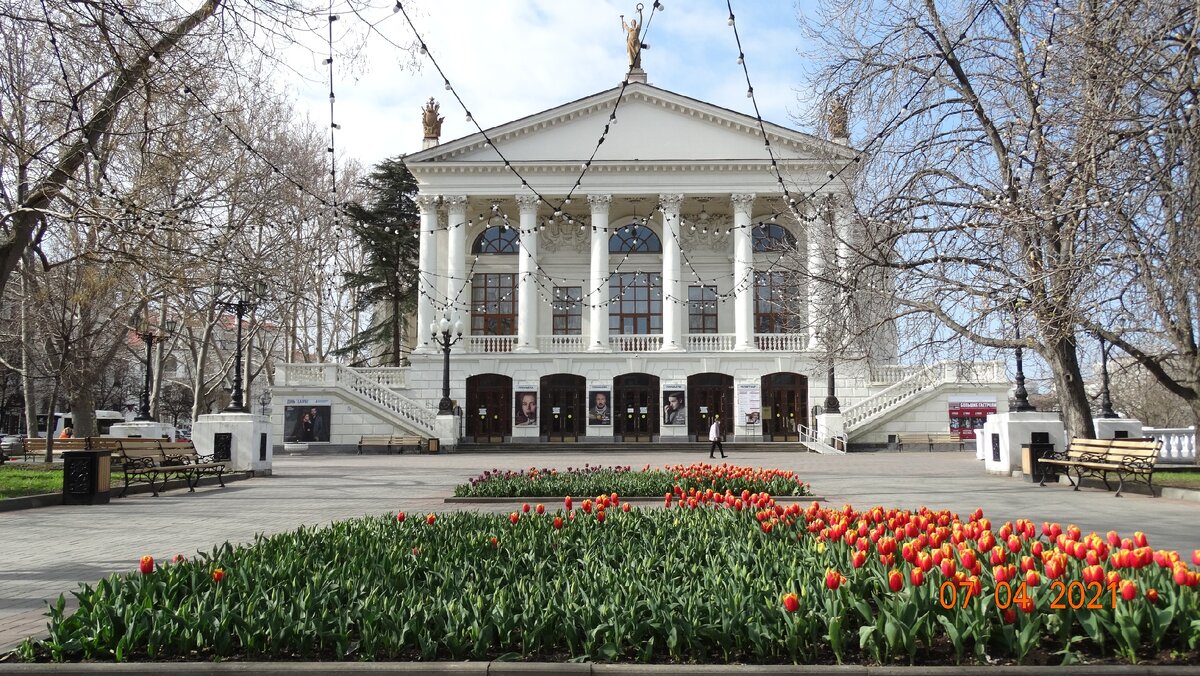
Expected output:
{"points": [[587, 506], [1113, 538], [600, 515], [1196, 556], [177, 558], [1181, 575], [833, 579], [1032, 579], [558, 522], [1152, 595], [1009, 615], [857, 559], [541, 509], [218, 574], [567, 503], [968, 558], [494, 542], [1128, 590], [416, 551], [917, 577], [948, 567], [895, 580], [791, 602], [1139, 538], [400, 517], [514, 518], [147, 565], [625, 507], [431, 518], [525, 507]]}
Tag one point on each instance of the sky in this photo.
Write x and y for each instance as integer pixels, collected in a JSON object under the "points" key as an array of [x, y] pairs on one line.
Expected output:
{"points": [[508, 59]]}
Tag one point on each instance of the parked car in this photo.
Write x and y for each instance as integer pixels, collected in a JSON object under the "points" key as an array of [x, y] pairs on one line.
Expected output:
{"points": [[10, 443]]}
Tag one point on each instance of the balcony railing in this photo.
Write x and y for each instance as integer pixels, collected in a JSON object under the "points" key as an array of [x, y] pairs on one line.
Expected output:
{"points": [[698, 342], [489, 343], [644, 343]]}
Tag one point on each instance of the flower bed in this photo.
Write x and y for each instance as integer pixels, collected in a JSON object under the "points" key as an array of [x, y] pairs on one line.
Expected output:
{"points": [[647, 482], [711, 578]]}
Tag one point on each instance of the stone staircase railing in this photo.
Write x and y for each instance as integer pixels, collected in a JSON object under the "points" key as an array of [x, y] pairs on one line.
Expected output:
{"points": [[808, 437], [915, 382], [371, 385], [1179, 444]]}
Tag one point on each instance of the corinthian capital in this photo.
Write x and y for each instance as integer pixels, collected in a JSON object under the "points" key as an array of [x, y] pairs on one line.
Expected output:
{"points": [[427, 204], [743, 203], [670, 202]]}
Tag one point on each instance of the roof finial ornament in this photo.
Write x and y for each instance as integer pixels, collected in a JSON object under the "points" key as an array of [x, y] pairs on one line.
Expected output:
{"points": [[432, 122], [839, 119], [634, 45]]}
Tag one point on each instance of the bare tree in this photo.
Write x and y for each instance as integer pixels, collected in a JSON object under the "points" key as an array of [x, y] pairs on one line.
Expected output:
{"points": [[977, 190]]}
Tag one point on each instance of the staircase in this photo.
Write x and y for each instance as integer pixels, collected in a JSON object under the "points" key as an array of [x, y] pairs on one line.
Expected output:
{"points": [[810, 440], [374, 393], [601, 448], [922, 382]]}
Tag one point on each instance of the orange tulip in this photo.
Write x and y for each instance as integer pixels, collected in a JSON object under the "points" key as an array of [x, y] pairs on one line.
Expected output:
{"points": [[791, 602], [1129, 590], [431, 518], [895, 580], [917, 577], [558, 522], [514, 517], [540, 509], [147, 565], [218, 574], [1152, 595], [833, 579]]}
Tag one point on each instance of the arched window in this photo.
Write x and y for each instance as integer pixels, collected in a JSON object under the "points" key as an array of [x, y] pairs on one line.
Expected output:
{"points": [[771, 237], [497, 240], [634, 239]]}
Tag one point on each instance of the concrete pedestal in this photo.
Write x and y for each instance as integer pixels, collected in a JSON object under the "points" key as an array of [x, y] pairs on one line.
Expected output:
{"points": [[1108, 428], [447, 432], [831, 426], [1005, 433], [244, 440], [142, 429]]}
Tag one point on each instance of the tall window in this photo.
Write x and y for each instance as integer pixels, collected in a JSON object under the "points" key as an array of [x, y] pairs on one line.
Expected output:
{"points": [[634, 239], [635, 304], [702, 309], [568, 310], [776, 303], [497, 240], [771, 237], [494, 304]]}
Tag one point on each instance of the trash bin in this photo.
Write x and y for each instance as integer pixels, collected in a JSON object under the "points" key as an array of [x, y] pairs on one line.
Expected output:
{"points": [[1031, 466], [433, 444], [86, 477]]}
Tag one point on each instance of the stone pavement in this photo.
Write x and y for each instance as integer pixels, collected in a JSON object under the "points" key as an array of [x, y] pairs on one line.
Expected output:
{"points": [[46, 552]]}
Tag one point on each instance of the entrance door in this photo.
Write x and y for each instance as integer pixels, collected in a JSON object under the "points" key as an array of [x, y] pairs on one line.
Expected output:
{"points": [[784, 405], [709, 395], [489, 408], [563, 411], [635, 406]]}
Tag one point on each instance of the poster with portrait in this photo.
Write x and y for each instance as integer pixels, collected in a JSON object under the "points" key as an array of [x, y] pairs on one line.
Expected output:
{"points": [[525, 403], [600, 406], [674, 404], [306, 420], [749, 398]]}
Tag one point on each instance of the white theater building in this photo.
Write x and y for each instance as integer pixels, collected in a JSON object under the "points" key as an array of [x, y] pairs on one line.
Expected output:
{"points": [[655, 286]]}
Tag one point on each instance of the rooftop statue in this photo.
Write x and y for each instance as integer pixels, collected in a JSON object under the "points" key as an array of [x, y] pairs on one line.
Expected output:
{"points": [[431, 120]]}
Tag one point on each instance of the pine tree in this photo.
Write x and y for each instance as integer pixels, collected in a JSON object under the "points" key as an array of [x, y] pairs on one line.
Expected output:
{"points": [[386, 228]]}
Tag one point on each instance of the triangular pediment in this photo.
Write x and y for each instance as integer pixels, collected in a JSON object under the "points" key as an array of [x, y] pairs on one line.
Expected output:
{"points": [[652, 125]]}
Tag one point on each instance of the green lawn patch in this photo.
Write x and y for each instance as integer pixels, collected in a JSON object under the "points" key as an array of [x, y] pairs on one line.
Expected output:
{"points": [[17, 480], [1177, 478]]}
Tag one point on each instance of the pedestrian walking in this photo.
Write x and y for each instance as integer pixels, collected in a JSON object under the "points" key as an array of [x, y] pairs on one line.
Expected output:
{"points": [[714, 435]]}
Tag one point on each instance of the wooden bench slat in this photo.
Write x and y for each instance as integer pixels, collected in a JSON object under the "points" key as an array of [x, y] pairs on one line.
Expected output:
{"points": [[1132, 458]]}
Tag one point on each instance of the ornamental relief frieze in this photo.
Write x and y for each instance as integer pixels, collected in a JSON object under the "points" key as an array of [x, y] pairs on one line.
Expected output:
{"points": [[562, 237], [705, 232]]}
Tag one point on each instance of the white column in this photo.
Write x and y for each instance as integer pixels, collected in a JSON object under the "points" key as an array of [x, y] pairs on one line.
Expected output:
{"points": [[456, 255], [597, 291], [673, 299], [817, 234], [427, 270], [743, 272], [527, 295]]}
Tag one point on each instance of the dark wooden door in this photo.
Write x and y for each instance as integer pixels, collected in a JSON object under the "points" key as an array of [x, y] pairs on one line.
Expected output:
{"points": [[563, 410], [635, 406], [785, 405], [709, 395], [489, 407]]}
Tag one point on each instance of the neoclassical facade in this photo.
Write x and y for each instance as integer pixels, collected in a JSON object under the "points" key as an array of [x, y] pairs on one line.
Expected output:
{"points": [[629, 267]]}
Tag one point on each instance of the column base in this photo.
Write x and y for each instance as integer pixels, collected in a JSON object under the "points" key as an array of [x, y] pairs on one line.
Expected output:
{"points": [[671, 348], [600, 348], [423, 349], [745, 347], [525, 349]]}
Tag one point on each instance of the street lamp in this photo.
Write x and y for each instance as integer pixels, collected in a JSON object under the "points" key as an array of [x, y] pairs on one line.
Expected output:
{"points": [[149, 337], [1020, 396], [440, 332], [1106, 409], [832, 405], [240, 308]]}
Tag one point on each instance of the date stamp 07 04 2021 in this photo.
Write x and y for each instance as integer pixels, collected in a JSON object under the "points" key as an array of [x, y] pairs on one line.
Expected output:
{"points": [[1074, 595]]}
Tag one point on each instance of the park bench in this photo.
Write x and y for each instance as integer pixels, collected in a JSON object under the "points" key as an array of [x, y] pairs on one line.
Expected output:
{"points": [[148, 460], [1126, 458], [928, 441], [390, 441], [36, 447]]}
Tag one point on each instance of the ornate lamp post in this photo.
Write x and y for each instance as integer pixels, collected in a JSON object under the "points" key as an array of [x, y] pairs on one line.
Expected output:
{"points": [[149, 337], [832, 405], [440, 331], [1020, 396], [240, 308], [1106, 409], [264, 400]]}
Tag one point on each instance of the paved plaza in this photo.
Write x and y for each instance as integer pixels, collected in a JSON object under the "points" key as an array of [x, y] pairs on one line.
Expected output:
{"points": [[48, 551]]}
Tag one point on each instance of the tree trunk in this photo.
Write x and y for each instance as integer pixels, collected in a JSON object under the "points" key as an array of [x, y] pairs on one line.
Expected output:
{"points": [[27, 388], [83, 413], [51, 421], [1063, 359]]}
